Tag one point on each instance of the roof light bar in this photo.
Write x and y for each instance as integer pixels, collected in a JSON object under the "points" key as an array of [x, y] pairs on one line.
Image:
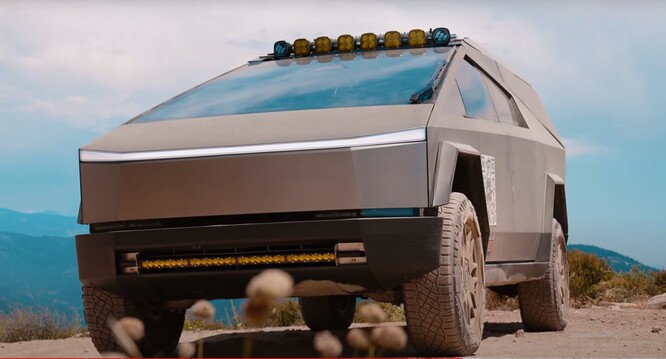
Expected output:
{"points": [[369, 41]]}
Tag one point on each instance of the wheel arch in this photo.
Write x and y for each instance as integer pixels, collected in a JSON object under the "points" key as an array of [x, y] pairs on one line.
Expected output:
{"points": [[458, 169], [556, 204]]}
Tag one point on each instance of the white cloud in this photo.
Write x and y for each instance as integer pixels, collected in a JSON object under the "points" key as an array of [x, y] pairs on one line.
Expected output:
{"points": [[83, 112], [124, 57], [578, 147]]}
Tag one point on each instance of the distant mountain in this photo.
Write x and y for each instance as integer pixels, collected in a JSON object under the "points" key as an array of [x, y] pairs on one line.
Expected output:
{"points": [[39, 224], [617, 261], [42, 272], [39, 271]]}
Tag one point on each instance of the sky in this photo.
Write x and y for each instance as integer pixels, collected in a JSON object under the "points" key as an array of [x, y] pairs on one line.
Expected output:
{"points": [[71, 70]]}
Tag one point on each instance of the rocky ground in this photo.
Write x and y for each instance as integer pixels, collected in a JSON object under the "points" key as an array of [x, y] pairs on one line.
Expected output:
{"points": [[592, 333]]}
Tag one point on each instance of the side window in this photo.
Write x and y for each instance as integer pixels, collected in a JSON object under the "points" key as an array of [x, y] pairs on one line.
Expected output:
{"points": [[474, 93], [506, 107]]}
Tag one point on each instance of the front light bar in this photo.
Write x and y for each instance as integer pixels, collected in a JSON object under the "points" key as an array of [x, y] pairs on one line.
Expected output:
{"points": [[228, 261]]}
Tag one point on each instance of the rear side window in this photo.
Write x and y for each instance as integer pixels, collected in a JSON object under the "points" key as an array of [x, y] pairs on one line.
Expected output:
{"points": [[507, 110], [484, 99], [475, 96]]}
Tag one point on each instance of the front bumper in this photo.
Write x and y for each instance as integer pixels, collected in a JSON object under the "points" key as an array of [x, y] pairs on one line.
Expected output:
{"points": [[396, 249]]}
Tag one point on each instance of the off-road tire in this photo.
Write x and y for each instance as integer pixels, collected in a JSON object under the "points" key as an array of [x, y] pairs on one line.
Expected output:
{"points": [[162, 328], [329, 312], [444, 308], [544, 303]]}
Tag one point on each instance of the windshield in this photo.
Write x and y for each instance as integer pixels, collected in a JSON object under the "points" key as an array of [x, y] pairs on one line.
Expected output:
{"points": [[343, 80]]}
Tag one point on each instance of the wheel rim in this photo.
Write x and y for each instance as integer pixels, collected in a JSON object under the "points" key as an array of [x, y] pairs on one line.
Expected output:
{"points": [[471, 277], [563, 273]]}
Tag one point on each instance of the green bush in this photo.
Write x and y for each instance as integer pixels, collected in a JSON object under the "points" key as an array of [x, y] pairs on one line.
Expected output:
{"points": [[627, 287], [660, 280], [586, 271], [25, 323]]}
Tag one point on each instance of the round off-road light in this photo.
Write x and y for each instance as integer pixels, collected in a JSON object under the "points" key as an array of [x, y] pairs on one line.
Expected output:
{"points": [[346, 43], [369, 41], [441, 36], [392, 40], [281, 49], [323, 45], [302, 47]]}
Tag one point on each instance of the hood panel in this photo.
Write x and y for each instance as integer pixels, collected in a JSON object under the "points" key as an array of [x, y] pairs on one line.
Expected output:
{"points": [[262, 128]]}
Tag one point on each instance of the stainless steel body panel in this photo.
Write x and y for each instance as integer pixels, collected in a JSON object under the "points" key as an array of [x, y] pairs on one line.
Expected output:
{"points": [[365, 177], [523, 156]]}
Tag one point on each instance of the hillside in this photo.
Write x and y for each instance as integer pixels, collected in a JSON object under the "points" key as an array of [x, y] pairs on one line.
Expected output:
{"points": [[38, 271], [617, 261], [39, 224]]}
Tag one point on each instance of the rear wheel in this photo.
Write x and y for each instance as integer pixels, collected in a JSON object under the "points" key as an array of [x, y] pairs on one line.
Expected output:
{"points": [[544, 303], [330, 312], [162, 326], [444, 308]]}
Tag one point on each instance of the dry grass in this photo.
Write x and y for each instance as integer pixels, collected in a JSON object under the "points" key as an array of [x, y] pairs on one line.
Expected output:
{"points": [[25, 323], [395, 313], [192, 323], [284, 314], [594, 282], [497, 301]]}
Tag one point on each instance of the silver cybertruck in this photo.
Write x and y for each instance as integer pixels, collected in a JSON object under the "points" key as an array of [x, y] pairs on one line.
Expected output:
{"points": [[409, 168]]}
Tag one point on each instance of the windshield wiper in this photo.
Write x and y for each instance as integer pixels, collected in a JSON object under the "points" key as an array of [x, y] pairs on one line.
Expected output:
{"points": [[426, 93], [423, 95]]}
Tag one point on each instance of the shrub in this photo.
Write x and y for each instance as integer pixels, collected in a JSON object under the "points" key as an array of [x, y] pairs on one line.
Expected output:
{"points": [[285, 314], [586, 271], [395, 313], [627, 287], [498, 301], [24, 323], [660, 280]]}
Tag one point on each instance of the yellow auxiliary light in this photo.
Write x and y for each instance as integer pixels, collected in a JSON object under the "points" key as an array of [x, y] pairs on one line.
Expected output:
{"points": [[346, 43], [301, 47], [323, 45], [392, 40], [227, 261], [417, 38], [368, 41]]}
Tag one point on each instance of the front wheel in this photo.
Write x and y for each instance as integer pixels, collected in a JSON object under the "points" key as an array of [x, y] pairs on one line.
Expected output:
{"points": [[162, 326], [330, 312], [444, 308]]}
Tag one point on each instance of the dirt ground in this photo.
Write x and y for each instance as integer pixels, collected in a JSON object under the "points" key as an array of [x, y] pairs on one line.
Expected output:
{"points": [[592, 333]]}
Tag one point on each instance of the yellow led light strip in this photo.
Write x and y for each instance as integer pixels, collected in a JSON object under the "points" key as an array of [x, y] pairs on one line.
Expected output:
{"points": [[238, 260]]}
